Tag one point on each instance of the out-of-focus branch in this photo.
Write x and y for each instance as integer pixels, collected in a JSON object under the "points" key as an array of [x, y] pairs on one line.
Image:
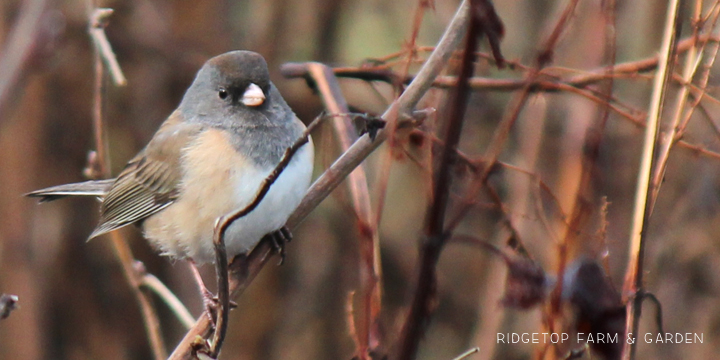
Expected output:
{"points": [[244, 271], [98, 21], [387, 157], [585, 78], [19, 46], [120, 246], [581, 201], [681, 117], [370, 270], [151, 282], [436, 233], [467, 354]]}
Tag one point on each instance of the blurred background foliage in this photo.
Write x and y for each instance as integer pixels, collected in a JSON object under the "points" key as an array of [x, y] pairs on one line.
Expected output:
{"points": [[75, 302]]}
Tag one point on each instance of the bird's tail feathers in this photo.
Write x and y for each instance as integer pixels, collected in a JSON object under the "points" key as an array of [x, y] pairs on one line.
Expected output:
{"points": [[88, 188]]}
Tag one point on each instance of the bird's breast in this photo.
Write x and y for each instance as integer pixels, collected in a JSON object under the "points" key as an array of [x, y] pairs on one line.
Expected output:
{"points": [[216, 181]]}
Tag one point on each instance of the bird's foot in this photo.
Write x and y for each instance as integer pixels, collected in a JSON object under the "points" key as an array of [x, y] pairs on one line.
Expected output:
{"points": [[210, 301], [278, 239], [211, 304]]}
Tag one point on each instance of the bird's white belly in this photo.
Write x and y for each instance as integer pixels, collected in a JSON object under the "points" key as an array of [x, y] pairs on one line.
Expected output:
{"points": [[212, 188], [273, 211]]}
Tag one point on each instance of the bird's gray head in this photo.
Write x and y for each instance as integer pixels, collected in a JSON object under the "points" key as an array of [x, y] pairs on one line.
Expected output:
{"points": [[231, 90]]}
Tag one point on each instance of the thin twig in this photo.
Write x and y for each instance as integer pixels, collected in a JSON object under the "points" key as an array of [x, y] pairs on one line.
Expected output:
{"points": [[478, 164], [120, 246], [149, 316], [629, 69], [221, 264], [154, 284], [387, 156], [467, 354], [641, 213], [98, 21], [692, 60], [515, 106], [243, 272]]}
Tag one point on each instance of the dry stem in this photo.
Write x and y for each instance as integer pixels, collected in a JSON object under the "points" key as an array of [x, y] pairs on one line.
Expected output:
{"points": [[122, 249], [634, 275], [629, 69], [335, 103]]}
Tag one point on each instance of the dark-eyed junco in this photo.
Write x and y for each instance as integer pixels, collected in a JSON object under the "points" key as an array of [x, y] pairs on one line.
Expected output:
{"points": [[207, 159]]}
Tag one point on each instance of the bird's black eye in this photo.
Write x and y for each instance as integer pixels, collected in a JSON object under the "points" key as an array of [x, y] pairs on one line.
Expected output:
{"points": [[222, 93]]}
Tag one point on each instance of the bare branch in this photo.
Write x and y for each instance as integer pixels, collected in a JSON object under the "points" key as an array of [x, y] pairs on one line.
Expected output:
{"points": [[436, 233], [331, 95], [98, 21], [549, 83], [120, 246], [154, 284], [634, 275]]}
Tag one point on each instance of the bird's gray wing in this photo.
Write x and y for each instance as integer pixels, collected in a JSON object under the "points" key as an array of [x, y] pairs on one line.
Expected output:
{"points": [[150, 181]]}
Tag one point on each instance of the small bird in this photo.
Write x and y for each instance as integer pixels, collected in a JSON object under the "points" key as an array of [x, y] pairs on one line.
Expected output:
{"points": [[207, 159]]}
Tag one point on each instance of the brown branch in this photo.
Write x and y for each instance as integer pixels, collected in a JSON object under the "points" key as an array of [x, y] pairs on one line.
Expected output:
{"points": [[515, 106], [120, 246], [98, 21], [582, 204], [221, 262], [436, 234], [584, 79], [331, 95], [477, 165], [243, 272], [387, 156]]}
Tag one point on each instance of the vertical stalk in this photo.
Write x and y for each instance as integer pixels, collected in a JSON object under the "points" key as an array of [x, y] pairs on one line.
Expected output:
{"points": [[634, 275]]}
